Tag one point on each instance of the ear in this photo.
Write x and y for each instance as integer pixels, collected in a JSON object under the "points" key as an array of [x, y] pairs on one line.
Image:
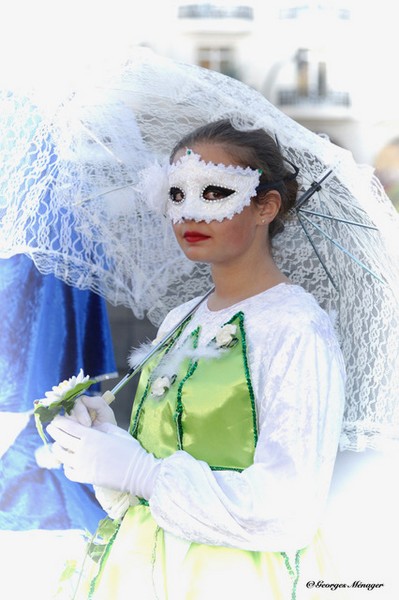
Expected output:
{"points": [[268, 207]]}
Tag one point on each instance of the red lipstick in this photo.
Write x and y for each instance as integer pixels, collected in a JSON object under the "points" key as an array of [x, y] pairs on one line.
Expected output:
{"points": [[194, 236]]}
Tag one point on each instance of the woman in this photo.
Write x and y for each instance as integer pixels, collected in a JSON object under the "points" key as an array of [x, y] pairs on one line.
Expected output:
{"points": [[237, 419]]}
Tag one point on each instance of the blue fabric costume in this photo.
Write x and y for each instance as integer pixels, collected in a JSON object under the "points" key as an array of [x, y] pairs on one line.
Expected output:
{"points": [[49, 332]]}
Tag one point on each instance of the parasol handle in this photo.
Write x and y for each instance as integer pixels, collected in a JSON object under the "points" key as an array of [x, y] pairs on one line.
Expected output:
{"points": [[109, 395]]}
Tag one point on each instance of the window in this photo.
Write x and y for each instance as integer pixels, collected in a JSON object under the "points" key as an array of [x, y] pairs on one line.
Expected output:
{"points": [[218, 59]]}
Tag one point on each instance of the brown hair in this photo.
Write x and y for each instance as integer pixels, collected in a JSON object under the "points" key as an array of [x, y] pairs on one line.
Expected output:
{"points": [[255, 149]]}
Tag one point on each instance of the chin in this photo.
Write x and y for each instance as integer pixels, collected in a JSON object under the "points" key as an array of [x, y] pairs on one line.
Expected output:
{"points": [[196, 257], [195, 254]]}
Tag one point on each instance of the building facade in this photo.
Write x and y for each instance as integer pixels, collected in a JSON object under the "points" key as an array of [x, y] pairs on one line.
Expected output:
{"points": [[310, 59]]}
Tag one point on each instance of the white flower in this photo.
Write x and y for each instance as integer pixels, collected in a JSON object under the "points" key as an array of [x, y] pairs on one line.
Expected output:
{"points": [[160, 385], [59, 391], [225, 335]]}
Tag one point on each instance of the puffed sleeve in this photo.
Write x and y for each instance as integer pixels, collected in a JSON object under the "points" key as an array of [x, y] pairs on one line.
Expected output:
{"points": [[277, 502]]}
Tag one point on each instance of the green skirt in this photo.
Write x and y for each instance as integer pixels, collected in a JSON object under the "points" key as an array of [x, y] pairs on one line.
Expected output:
{"points": [[140, 561]]}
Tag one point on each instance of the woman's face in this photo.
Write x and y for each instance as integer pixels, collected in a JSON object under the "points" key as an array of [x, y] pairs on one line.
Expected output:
{"points": [[226, 241]]}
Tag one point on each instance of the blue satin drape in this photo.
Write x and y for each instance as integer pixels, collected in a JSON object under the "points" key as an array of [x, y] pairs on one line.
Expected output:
{"points": [[49, 331]]}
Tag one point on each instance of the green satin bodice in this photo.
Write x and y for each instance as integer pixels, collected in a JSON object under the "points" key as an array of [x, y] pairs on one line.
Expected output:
{"points": [[208, 411]]}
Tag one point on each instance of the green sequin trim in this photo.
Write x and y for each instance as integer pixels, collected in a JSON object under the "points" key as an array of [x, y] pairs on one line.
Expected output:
{"points": [[240, 316], [179, 402], [154, 560], [226, 469], [293, 574], [134, 424], [105, 554]]}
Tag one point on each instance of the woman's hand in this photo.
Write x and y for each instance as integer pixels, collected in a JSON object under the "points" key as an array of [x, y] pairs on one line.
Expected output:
{"points": [[92, 411], [109, 457]]}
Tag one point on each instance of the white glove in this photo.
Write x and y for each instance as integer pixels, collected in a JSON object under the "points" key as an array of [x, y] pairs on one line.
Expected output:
{"points": [[109, 458], [93, 410]]}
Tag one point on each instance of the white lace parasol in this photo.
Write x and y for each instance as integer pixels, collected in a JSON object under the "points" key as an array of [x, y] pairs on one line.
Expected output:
{"points": [[73, 196]]}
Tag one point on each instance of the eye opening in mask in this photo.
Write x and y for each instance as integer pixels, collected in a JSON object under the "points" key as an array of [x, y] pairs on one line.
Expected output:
{"points": [[216, 193], [176, 195]]}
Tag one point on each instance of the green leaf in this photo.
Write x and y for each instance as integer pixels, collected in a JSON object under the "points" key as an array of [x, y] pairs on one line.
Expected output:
{"points": [[45, 414], [76, 391], [40, 429]]}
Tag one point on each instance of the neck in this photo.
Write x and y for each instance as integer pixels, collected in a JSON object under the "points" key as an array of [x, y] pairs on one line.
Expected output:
{"points": [[234, 284]]}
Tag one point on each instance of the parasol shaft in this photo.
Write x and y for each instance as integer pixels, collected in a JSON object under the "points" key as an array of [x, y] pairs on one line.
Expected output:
{"points": [[134, 370]]}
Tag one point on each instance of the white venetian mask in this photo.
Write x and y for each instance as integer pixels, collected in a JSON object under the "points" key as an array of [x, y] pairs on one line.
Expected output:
{"points": [[204, 191]]}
